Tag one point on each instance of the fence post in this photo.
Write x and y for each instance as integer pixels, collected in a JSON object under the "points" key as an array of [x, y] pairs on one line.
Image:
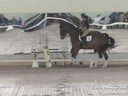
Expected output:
{"points": [[35, 64], [47, 57], [104, 27]]}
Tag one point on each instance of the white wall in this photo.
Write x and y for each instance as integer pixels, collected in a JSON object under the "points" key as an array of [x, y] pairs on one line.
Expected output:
{"points": [[91, 7], [62, 5]]}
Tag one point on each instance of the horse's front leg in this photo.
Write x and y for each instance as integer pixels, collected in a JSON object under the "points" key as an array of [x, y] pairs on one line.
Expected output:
{"points": [[75, 52], [71, 51], [75, 49], [72, 55]]}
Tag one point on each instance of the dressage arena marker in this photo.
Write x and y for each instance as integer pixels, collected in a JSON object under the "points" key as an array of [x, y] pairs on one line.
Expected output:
{"points": [[47, 57]]}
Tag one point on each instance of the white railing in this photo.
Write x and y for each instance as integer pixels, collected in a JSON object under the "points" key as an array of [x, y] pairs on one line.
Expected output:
{"points": [[104, 26], [10, 27]]}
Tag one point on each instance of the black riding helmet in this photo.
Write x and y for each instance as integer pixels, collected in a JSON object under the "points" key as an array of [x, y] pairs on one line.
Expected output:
{"points": [[83, 15]]}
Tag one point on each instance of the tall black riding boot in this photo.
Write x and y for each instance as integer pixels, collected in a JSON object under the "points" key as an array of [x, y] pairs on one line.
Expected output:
{"points": [[83, 38], [85, 44], [84, 41]]}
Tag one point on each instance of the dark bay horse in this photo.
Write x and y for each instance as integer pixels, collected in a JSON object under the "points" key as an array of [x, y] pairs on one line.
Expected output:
{"points": [[100, 42]]}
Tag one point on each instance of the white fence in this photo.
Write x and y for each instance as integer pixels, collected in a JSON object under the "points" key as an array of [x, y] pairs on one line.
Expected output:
{"points": [[10, 27], [104, 26], [85, 59]]}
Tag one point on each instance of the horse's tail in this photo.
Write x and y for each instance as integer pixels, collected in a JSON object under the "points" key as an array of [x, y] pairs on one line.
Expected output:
{"points": [[110, 39], [111, 42]]}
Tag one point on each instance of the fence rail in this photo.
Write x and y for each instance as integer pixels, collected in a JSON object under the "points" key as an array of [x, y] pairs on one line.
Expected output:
{"points": [[104, 26]]}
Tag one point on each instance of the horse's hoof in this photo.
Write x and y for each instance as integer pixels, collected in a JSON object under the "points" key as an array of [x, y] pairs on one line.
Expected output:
{"points": [[95, 65]]}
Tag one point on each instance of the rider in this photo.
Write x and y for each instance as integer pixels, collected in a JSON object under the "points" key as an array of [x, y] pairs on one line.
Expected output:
{"points": [[84, 26]]}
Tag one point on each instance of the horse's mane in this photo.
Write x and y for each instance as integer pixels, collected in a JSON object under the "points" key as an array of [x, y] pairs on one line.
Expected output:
{"points": [[63, 23], [71, 18], [71, 29]]}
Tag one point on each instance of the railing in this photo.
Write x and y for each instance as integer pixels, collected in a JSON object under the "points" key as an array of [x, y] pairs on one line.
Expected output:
{"points": [[104, 26]]}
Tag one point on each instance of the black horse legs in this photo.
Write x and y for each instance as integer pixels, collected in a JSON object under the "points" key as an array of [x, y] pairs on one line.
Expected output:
{"points": [[100, 55], [71, 51], [74, 55], [105, 55], [74, 52]]}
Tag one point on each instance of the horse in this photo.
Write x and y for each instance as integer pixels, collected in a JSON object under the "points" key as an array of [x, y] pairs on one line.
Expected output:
{"points": [[100, 42]]}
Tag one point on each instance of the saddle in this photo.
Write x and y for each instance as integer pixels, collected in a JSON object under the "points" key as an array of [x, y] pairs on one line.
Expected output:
{"points": [[87, 38]]}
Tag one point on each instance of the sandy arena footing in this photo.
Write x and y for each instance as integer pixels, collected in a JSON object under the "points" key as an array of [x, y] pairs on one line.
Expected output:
{"points": [[63, 81]]}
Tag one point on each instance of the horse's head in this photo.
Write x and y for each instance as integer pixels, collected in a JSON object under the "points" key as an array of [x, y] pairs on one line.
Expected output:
{"points": [[72, 30], [63, 31]]}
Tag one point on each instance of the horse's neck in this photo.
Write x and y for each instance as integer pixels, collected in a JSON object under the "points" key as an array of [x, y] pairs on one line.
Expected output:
{"points": [[73, 37]]}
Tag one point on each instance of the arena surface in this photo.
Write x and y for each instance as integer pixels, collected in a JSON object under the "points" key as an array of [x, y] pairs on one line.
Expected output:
{"points": [[63, 81]]}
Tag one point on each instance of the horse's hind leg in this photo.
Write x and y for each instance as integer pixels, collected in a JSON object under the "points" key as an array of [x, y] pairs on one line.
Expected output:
{"points": [[100, 55], [106, 58], [94, 63]]}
